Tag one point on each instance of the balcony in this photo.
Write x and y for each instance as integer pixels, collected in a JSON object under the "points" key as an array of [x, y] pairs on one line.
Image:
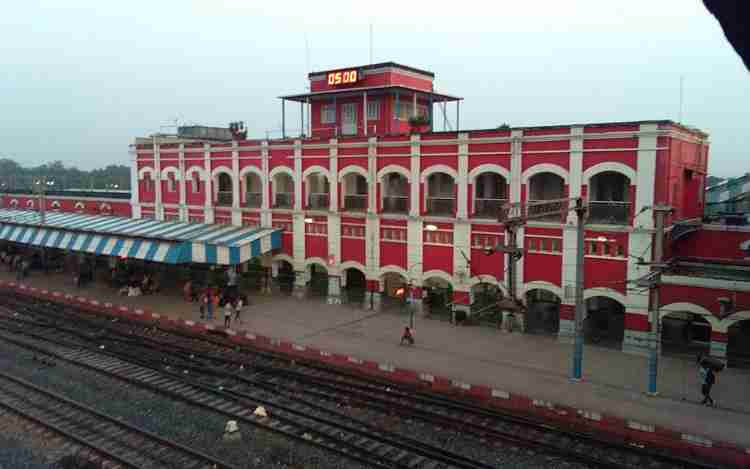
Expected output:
{"points": [[318, 201], [396, 204], [253, 199], [444, 206], [224, 198], [609, 213], [488, 208], [536, 210], [355, 203], [284, 200]]}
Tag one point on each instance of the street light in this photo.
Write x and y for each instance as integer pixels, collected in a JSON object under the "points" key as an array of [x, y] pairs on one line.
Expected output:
{"points": [[430, 228]]}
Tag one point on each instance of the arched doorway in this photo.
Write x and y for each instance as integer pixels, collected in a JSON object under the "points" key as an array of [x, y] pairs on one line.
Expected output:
{"points": [[542, 312], [605, 322], [356, 285], [439, 297], [285, 276], [394, 291], [685, 333], [738, 344], [484, 301], [318, 285]]}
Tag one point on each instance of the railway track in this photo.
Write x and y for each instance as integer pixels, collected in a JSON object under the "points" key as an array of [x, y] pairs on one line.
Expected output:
{"points": [[122, 444], [214, 363]]}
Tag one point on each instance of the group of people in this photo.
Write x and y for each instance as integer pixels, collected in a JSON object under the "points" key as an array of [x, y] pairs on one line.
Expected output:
{"points": [[145, 285], [210, 302], [16, 263]]}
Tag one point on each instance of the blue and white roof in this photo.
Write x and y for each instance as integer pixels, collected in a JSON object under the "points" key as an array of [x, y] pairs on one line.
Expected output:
{"points": [[147, 239]]}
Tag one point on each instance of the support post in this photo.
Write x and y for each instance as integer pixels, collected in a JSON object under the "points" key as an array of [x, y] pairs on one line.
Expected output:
{"points": [[302, 119], [283, 118], [398, 113], [653, 358], [429, 112], [364, 112], [458, 116], [577, 371]]}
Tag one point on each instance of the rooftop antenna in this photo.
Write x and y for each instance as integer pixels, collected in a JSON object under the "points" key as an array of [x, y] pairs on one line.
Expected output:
{"points": [[307, 62], [682, 81], [370, 42]]}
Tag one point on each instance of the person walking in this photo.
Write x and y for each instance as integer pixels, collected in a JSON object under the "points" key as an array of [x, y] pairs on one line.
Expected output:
{"points": [[209, 304], [407, 336], [238, 308], [708, 379], [228, 310]]}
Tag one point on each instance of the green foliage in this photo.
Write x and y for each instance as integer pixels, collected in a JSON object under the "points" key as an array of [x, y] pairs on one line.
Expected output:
{"points": [[419, 121], [503, 126], [15, 177]]}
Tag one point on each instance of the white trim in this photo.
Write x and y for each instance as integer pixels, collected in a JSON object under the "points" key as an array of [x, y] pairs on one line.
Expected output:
{"points": [[353, 169], [283, 257], [728, 321], [195, 169], [605, 292], [610, 166], [394, 168], [438, 274], [252, 169], [489, 168], [222, 169], [79, 205], [542, 285], [170, 169], [489, 279], [316, 169], [54, 205], [666, 310], [393, 269], [281, 170], [438, 168], [353, 265], [704, 282], [544, 168], [146, 170], [317, 260]]}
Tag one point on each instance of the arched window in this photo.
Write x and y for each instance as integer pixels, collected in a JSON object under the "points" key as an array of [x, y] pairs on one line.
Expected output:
{"points": [[395, 193], [441, 198]]}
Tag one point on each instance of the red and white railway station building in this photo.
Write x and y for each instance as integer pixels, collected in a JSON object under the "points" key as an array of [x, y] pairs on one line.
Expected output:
{"points": [[365, 199]]}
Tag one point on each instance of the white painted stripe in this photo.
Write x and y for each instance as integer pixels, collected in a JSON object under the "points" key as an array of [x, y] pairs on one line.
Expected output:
{"points": [[245, 253], [222, 255], [94, 243], [199, 252], [214, 233], [79, 242], [265, 244], [38, 238], [161, 252], [143, 250], [65, 240], [245, 232], [109, 246], [126, 245]]}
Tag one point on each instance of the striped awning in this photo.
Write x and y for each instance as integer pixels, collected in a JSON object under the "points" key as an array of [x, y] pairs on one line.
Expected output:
{"points": [[146, 239]]}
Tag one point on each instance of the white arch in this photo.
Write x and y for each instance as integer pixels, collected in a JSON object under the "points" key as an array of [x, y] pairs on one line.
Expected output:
{"points": [[316, 260], [544, 168], [489, 168], [393, 269], [170, 170], [252, 169], [725, 323], [283, 257], [281, 170], [30, 203], [691, 308], [606, 292], [196, 169], [438, 274], [353, 169], [54, 205], [13, 203], [353, 265], [79, 205], [105, 207], [222, 169], [541, 285], [146, 170], [394, 168], [438, 168], [620, 168], [489, 279], [316, 169]]}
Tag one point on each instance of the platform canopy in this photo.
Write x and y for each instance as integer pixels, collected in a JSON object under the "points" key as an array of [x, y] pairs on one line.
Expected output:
{"points": [[145, 239]]}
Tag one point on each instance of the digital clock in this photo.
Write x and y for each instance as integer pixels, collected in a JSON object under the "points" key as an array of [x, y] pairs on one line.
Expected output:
{"points": [[346, 77]]}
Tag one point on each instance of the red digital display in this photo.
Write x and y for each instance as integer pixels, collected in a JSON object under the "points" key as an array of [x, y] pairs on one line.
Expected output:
{"points": [[346, 77]]}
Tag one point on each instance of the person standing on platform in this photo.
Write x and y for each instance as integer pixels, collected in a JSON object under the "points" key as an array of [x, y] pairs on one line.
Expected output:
{"points": [[708, 379], [231, 290], [238, 308], [228, 310], [209, 304]]}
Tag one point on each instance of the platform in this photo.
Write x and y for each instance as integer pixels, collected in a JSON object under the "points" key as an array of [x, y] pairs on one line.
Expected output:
{"points": [[534, 366]]}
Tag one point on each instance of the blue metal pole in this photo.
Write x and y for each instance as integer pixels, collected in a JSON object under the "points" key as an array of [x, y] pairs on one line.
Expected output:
{"points": [[653, 359], [577, 369]]}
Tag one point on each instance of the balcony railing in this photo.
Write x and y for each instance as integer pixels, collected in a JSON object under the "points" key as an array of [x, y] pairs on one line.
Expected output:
{"points": [[284, 200], [355, 202], [253, 199], [317, 201], [396, 204], [536, 208], [488, 208], [609, 213], [224, 198], [441, 205]]}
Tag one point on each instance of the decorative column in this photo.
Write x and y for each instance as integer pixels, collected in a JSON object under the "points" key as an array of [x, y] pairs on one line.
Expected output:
{"points": [[334, 181], [719, 341], [415, 199], [135, 202], [158, 205], [575, 173], [463, 176], [372, 259], [414, 229], [334, 228], [182, 182], [265, 212], [236, 186], [208, 206], [298, 203], [516, 170]]}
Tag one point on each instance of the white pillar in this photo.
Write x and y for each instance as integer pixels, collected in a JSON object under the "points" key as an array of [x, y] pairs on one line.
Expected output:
{"points": [[639, 244], [461, 248], [298, 204], [158, 204], [575, 175], [181, 183], [333, 170], [414, 250], [463, 175], [265, 212], [135, 202], [208, 205], [415, 200], [364, 112], [646, 175], [298, 253], [515, 166], [236, 186], [372, 174]]}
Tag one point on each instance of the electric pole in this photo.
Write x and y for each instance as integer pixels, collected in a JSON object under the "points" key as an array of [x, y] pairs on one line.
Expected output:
{"points": [[653, 362], [580, 312]]}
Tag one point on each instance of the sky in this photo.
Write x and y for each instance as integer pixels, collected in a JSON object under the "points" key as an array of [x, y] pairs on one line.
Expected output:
{"points": [[79, 80]]}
